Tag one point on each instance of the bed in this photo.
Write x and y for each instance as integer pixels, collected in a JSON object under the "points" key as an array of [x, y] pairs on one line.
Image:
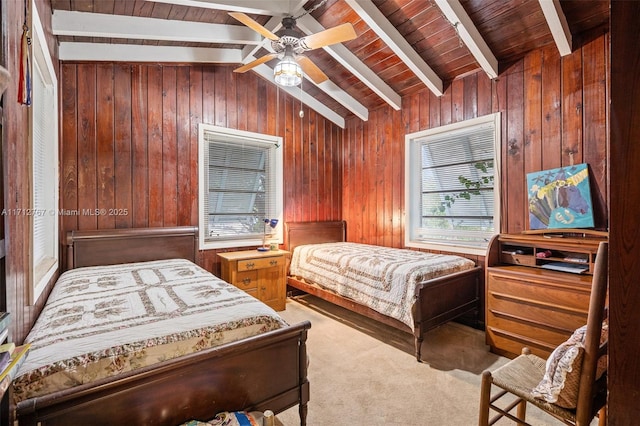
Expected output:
{"points": [[259, 363], [432, 302]]}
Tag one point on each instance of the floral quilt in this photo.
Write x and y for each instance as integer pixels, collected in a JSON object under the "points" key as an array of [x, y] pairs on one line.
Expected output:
{"points": [[105, 320], [382, 278]]}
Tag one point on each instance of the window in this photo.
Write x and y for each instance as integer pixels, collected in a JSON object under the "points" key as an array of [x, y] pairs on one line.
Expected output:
{"points": [[44, 167], [452, 179], [240, 186]]}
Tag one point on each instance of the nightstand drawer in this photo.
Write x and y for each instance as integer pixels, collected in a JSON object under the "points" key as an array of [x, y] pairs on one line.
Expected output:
{"points": [[267, 262], [246, 280]]}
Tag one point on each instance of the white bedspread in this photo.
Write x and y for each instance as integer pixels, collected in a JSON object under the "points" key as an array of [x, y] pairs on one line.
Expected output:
{"points": [[382, 278], [101, 321]]}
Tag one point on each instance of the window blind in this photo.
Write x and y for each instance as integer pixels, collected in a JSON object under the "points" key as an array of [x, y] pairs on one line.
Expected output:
{"points": [[241, 186]]}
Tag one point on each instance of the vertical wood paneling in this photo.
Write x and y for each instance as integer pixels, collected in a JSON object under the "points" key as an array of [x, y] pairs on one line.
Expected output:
{"points": [[551, 109], [139, 157], [595, 122], [398, 164], [184, 148], [220, 97], [532, 112], [624, 268], [538, 98], [515, 200], [105, 139], [140, 123], [154, 147], [123, 161], [195, 115], [169, 147], [499, 105], [457, 99], [572, 109], [470, 97], [69, 151], [86, 134]]}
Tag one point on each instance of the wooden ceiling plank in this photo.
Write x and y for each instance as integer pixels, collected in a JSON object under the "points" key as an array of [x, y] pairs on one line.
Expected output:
{"points": [[369, 13], [347, 59], [260, 7], [132, 27], [145, 53], [558, 25], [470, 35]]}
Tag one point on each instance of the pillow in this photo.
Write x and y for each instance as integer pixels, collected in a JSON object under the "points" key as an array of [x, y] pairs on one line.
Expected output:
{"points": [[562, 375]]}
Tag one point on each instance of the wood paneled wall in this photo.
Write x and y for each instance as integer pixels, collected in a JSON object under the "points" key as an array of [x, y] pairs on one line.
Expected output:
{"points": [[16, 159], [624, 268], [554, 113], [130, 143]]}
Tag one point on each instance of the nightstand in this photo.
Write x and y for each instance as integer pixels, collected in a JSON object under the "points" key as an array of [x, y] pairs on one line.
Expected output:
{"points": [[261, 274]]}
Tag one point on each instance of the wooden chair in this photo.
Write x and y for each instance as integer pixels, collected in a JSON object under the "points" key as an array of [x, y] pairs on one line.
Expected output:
{"points": [[521, 375]]}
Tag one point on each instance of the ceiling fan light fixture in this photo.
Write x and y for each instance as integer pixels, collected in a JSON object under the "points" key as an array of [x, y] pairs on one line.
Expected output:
{"points": [[288, 72]]}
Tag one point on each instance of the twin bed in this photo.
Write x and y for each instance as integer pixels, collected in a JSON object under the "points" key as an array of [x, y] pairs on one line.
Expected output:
{"points": [[136, 333], [154, 342], [407, 289]]}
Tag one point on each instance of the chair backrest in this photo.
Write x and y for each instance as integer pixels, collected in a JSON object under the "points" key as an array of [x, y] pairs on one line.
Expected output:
{"points": [[592, 391]]}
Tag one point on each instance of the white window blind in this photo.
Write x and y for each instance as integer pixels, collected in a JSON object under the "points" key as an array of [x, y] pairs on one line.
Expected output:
{"points": [[453, 186], [241, 185], [43, 210]]}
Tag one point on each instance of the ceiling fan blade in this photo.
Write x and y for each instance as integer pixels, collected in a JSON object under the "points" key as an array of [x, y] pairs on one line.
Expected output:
{"points": [[254, 25], [311, 70], [344, 32], [261, 60]]}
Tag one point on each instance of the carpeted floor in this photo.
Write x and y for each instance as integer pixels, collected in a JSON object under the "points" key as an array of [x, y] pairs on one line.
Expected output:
{"points": [[363, 373]]}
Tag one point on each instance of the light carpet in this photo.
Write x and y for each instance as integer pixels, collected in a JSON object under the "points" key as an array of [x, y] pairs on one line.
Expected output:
{"points": [[363, 373]]}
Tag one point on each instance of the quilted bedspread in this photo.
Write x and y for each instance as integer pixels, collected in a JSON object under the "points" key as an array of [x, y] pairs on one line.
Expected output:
{"points": [[382, 278], [105, 320]]}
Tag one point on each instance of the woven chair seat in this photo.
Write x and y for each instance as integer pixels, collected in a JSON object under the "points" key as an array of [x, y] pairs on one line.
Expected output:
{"points": [[521, 375]]}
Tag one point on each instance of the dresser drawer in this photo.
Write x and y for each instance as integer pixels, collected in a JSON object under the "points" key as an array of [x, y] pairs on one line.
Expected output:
{"points": [[246, 280], [267, 262], [548, 292], [533, 313]]}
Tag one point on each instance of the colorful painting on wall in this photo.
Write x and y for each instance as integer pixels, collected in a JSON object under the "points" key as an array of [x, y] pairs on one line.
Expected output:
{"points": [[560, 198]]}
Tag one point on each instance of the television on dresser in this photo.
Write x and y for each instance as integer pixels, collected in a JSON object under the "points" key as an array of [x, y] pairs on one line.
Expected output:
{"points": [[560, 198]]}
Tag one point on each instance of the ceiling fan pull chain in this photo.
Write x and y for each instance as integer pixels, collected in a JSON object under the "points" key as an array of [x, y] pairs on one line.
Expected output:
{"points": [[312, 9]]}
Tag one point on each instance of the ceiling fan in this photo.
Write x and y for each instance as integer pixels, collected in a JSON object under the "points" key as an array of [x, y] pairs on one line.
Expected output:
{"points": [[289, 44]]}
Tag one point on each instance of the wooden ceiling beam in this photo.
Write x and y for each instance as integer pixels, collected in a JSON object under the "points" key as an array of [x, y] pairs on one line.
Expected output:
{"points": [[86, 24], [370, 14], [470, 36], [347, 59], [558, 25], [72, 51]]}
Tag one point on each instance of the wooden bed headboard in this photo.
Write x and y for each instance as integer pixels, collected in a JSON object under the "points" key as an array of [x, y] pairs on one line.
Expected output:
{"points": [[299, 233], [114, 246]]}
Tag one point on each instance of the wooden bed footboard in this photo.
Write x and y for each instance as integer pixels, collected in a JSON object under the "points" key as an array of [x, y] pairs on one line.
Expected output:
{"points": [[268, 371]]}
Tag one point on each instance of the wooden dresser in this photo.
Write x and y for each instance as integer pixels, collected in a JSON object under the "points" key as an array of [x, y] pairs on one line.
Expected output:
{"points": [[529, 304], [261, 274]]}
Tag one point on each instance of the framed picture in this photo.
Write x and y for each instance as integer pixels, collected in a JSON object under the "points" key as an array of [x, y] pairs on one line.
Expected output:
{"points": [[560, 198]]}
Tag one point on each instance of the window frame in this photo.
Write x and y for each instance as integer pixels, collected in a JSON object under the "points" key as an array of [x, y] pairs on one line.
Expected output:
{"points": [[413, 179], [234, 135], [42, 272]]}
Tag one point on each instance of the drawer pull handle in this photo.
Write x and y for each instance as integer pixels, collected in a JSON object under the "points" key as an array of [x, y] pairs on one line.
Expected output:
{"points": [[246, 281], [250, 265], [273, 262]]}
